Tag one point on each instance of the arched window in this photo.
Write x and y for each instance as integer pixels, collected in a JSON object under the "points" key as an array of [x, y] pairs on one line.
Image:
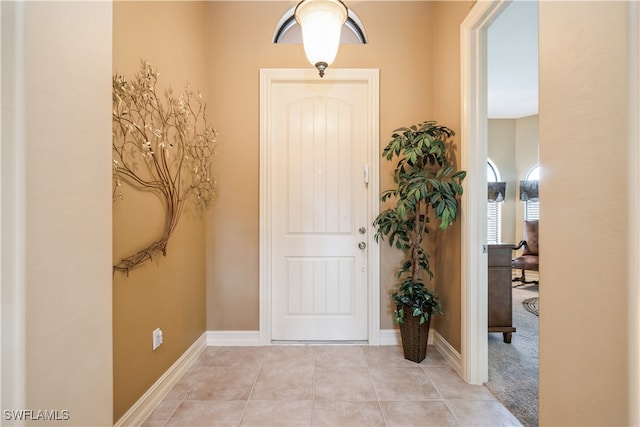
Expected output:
{"points": [[494, 208], [532, 207]]}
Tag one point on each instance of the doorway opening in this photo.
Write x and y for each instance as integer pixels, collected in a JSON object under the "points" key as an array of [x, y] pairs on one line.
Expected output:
{"points": [[474, 49]]}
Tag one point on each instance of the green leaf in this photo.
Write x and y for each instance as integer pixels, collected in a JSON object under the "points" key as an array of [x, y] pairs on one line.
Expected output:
{"points": [[457, 188], [460, 175]]}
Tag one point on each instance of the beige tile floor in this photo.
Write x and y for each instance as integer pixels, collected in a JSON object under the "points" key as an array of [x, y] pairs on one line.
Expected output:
{"points": [[325, 386]]}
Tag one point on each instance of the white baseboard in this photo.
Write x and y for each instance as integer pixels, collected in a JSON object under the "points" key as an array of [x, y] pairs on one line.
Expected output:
{"points": [[233, 338], [154, 395], [390, 337], [450, 354], [252, 338]]}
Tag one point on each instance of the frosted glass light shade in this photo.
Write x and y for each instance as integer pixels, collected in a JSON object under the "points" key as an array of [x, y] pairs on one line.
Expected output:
{"points": [[321, 23]]}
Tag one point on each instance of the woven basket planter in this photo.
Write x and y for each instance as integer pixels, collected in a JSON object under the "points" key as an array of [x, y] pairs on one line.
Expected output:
{"points": [[414, 336]]}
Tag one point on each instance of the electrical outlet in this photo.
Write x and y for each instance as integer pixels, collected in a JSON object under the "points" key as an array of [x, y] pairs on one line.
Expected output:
{"points": [[157, 338]]}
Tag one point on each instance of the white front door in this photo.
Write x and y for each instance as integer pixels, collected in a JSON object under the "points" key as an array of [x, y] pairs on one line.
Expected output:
{"points": [[318, 209]]}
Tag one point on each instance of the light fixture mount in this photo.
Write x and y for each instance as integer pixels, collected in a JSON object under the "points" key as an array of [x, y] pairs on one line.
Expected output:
{"points": [[321, 66], [321, 22]]}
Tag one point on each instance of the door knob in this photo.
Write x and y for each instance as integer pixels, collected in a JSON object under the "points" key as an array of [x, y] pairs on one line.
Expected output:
{"points": [[362, 230], [362, 245]]}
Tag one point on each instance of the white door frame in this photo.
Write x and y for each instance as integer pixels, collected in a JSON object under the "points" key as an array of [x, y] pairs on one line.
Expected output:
{"points": [[370, 77], [473, 51]]}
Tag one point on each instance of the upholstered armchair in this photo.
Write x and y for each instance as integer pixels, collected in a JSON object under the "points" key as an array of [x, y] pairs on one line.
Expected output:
{"points": [[528, 259]]}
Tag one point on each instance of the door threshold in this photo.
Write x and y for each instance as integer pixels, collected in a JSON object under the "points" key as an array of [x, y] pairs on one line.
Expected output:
{"points": [[318, 343]]}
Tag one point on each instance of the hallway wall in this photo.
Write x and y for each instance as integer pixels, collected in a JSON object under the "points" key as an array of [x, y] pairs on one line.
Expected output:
{"points": [[588, 365], [169, 292], [513, 147], [56, 212], [447, 93]]}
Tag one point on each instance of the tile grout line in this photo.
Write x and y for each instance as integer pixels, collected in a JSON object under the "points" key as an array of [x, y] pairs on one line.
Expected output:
{"points": [[444, 400], [446, 403], [313, 386], [184, 397], [375, 389], [174, 410], [253, 386]]}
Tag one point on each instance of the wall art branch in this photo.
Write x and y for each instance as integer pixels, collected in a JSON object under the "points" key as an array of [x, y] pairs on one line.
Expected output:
{"points": [[162, 145]]}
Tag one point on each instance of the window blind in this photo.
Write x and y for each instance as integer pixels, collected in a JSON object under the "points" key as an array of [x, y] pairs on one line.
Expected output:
{"points": [[531, 210], [493, 222]]}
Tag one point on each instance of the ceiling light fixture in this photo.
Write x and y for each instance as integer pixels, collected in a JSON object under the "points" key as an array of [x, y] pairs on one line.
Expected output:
{"points": [[321, 22]]}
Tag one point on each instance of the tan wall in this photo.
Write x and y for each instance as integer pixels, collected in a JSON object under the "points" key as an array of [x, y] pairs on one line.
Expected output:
{"points": [[168, 293], [56, 207], [401, 44], [527, 147], [513, 147], [502, 143], [447, 110], [584, 329]]}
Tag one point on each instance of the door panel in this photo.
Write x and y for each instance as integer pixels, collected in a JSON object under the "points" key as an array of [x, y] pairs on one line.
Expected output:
{"points": [[319, 200]]}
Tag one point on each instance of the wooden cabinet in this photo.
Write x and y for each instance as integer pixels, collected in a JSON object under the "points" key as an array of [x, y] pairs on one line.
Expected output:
{"points": [[499, 284]]}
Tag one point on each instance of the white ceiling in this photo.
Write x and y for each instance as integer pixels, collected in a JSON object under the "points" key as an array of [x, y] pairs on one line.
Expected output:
{"points": [[512, 74]]}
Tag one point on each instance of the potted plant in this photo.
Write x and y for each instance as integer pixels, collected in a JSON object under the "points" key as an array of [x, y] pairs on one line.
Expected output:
{"points": [[427, 187]]}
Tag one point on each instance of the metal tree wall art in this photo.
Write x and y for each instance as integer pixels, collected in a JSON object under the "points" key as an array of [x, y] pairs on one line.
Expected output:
{"points": [[162, 145]]}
